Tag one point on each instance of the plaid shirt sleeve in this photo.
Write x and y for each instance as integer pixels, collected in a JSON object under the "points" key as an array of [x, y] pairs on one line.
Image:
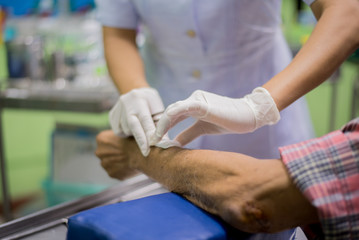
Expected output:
{"points": [[326, 170]]}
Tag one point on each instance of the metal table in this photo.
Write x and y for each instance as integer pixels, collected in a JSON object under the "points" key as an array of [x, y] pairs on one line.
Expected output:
{"points": [[44, 96], [51, 223]]}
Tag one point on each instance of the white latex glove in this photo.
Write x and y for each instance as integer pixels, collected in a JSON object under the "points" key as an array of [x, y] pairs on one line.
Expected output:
{"points": [[216, 114], [133, 114]]}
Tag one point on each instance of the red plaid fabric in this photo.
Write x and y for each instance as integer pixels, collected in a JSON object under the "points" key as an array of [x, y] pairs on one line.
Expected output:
{"points": [[326, 170]]}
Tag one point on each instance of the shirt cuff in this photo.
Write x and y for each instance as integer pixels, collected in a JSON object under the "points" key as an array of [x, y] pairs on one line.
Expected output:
{"points": [[326, 171], [118, 14]]}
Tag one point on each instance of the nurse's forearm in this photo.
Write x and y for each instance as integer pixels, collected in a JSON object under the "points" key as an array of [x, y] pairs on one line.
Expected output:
{"points": [[123, 59], [334, 38]]}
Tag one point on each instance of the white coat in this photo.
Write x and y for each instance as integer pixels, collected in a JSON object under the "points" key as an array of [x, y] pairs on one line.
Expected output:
{"points": [[227, 47]]}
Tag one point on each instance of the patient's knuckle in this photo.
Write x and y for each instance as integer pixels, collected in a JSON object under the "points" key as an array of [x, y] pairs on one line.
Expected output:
{"points": [[99, 137], [102, 136]]}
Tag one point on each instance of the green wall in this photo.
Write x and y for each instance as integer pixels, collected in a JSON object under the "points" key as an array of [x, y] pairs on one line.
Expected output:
{"points": [[319, 100], [27, 137]]}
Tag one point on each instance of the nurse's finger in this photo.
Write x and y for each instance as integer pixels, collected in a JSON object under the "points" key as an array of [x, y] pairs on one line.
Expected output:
{"points": [[124, 126], [115, 119], [188, 107], [189, 134], [164, 124], [197, 129], [139, 135], [147, 123], [178, 112]]}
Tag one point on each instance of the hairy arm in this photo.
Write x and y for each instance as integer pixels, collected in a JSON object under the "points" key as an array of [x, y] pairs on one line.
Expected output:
{"points": [[123, 59], [334, 38], [252, 195]]}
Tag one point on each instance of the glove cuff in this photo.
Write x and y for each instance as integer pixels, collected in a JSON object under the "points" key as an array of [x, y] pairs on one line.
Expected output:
{"points": [[264, 108], [140, 92]]}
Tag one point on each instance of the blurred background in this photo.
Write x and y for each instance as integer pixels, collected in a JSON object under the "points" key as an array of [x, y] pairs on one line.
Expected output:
{"points": [[55, 97], [56, 93]]}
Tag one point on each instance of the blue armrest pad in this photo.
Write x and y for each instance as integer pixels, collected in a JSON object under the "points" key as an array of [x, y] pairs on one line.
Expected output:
{"points": [[163, 216]]}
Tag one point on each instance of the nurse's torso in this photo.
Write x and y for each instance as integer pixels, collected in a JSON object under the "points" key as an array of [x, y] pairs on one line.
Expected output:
{"points": [[217, 45], [227, 47]]}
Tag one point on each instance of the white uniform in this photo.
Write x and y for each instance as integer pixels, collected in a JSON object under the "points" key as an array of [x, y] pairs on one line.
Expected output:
{"points": [[225, 47]]}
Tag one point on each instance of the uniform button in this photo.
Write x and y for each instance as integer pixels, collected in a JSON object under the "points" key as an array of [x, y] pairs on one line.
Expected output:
{"points": [[196, 74], [191, 33]]}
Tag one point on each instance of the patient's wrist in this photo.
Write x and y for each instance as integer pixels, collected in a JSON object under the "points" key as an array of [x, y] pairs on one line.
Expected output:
{"points": [[133, 153]]}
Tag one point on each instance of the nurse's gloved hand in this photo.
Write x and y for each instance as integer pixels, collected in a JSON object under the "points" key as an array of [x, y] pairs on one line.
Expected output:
{"points": [[133, 115], [216, 114]]}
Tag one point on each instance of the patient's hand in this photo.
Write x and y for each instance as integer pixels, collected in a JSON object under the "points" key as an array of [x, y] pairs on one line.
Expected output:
{"points": [[114, 154]]}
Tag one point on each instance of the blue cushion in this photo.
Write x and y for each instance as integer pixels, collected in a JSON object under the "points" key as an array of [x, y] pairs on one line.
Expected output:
{"points": [[163, 216]]}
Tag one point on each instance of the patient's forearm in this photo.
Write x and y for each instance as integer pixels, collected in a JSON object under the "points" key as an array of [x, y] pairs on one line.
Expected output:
{"points": [[199, 175], [252, 195]]}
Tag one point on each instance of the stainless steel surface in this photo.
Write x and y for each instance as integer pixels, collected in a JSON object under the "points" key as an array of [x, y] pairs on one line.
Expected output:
{"points": [[47, 98], [45, 221], [55, 230]]}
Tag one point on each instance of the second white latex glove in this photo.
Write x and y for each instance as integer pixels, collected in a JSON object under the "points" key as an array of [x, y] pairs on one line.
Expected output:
{"points": [[133, 114], [217, 114]]}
